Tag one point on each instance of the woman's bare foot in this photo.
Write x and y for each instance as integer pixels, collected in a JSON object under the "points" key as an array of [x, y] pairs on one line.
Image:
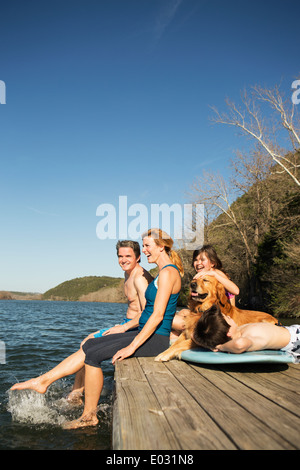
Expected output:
{"points": [[82, 422], [32, 384]]}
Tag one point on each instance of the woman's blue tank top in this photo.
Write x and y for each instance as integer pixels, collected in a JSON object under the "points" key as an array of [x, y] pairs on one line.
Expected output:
{"points": [[164, 328]]}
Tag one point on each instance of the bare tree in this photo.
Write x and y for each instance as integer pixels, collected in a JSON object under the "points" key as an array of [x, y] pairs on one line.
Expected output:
{"points": [[218, 196], [251, 174], [249, 119], [241, 210], [249, 169]]}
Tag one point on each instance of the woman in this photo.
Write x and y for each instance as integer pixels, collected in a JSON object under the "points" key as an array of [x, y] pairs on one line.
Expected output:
{"points": [[205, 262], [151, 338]]}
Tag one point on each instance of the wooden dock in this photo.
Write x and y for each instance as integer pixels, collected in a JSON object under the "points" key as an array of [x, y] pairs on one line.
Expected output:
{"points": [[183, 406]]}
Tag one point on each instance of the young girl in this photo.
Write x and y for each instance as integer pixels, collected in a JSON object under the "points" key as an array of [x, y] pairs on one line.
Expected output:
{"points": [[205, 262]]}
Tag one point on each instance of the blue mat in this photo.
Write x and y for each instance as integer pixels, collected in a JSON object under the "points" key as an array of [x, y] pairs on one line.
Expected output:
{"points": [[205, 356]]}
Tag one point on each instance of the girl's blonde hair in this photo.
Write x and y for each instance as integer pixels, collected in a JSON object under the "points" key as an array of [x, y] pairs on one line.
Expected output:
{"points": [[161, 238]]}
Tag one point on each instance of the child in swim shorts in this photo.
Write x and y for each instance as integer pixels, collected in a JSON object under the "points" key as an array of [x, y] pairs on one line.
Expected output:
{"points": [[294, 345], [219, 332]]}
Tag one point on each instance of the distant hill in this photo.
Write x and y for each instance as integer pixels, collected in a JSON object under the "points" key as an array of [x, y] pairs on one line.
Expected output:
{"points": [[89, 289], [5, 295]]}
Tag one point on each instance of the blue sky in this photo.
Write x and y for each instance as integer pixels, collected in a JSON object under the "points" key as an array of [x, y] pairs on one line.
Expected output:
{"points": [[111, 98]]}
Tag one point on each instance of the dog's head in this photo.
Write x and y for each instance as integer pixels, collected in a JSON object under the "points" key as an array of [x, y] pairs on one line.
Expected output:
{"points": [[205, 292]]}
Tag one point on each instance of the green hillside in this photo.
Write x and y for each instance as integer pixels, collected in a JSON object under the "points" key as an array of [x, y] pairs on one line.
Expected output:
{"points": [[73, 289], [257, 236]]}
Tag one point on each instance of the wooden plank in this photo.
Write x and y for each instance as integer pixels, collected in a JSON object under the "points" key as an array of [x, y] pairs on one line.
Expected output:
{"points": [[286, 382], [246, 431], [292, 371], [274, 390], [281, 421], [130, 370], [192, 425], [138, 421]]}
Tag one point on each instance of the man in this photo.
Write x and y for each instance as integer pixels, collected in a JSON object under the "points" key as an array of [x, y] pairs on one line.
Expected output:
{"points": [[135, 284]]}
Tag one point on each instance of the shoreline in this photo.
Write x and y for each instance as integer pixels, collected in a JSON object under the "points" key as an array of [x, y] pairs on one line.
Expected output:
{"points": [[38, 297]]}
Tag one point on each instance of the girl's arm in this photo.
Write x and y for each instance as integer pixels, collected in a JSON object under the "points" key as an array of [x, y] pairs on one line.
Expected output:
{"points": [[166, 281], [222, 278]]}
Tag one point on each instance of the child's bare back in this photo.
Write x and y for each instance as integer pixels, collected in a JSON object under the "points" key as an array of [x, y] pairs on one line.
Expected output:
{"points": [[265, 336]]}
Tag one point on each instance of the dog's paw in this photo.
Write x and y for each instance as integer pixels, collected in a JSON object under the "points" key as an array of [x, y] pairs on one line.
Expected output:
{"points": [[162, 357]]}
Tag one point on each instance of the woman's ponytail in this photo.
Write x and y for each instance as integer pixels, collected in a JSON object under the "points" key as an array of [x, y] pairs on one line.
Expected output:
{"points": [[175, 258]]}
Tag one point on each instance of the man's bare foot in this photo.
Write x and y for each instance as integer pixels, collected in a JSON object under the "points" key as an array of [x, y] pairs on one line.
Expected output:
{"points": [[32, 384], [82, 422], [75, 398]]}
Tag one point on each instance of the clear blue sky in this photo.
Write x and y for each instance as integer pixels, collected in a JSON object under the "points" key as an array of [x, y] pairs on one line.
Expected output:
{"points": [[112, 97]]}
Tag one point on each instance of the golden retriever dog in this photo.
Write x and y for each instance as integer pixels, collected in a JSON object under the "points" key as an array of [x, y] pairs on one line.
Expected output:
{"points": [[205, 292]]}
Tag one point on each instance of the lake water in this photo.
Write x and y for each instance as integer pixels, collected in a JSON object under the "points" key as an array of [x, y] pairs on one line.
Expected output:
{"points": [[37, 335]]}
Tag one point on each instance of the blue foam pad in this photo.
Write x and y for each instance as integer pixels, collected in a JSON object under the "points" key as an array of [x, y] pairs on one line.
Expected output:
{"points": [[205, 356]]}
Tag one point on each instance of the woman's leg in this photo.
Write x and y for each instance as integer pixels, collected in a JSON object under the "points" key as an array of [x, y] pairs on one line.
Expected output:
{"points": [[68, 366], [78, 386], [94, 375], [93, 388], [97, 350]]}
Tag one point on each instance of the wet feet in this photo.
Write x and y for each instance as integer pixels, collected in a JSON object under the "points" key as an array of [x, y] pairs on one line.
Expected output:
{"points": [[75, 398], [84, 421], [32, 384]]}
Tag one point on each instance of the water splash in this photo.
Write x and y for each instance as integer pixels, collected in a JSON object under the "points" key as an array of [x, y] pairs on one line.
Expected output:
{"points": [[30, 407], [50, 409]]}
